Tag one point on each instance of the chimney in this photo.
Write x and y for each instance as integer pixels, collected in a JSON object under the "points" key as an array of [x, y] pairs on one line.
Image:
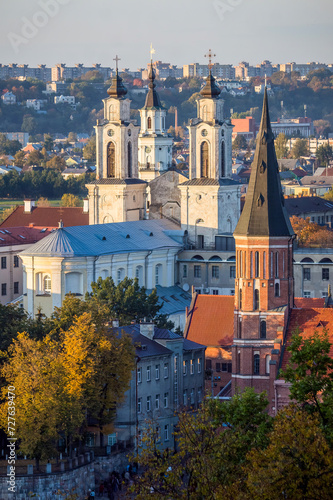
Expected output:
{"points": [[28, 206], [86, 206], [147, 329], [60, 224], [186, 312]]}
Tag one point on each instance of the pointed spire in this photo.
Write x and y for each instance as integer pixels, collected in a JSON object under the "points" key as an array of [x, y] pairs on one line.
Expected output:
{"points": [[152, 98], [117, 88], [210, 89], [264, 213]]}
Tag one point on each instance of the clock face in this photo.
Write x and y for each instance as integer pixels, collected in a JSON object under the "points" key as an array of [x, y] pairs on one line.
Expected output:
{"points": [[148, 149], [110, 132], [204, 132]]}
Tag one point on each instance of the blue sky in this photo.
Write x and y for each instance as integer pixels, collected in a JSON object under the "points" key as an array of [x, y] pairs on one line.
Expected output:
{"points": [[182, 31]]}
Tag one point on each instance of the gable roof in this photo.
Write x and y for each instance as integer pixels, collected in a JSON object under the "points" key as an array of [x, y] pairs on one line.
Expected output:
{"points": [[46, 217], [22, 235], [211, 320], [308, 320], [297, 206]]}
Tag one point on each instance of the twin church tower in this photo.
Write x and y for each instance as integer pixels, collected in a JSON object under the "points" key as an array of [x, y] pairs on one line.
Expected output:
{"points": [[128, 158]]}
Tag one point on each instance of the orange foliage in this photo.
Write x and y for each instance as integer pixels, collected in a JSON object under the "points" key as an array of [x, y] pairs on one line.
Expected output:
{"points": [[310, 234]]}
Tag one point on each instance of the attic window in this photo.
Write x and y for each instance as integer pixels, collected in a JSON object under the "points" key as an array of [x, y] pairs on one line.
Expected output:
{"points": [[151, 234], [103, 238], [8, 232], [23, 237], [127, 236], [43, 230]]}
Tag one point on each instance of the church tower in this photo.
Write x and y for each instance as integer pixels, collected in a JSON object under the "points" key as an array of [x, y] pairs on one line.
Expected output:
{"points": [[264, 268], [155, 144], [118, 194], [210, 199]]}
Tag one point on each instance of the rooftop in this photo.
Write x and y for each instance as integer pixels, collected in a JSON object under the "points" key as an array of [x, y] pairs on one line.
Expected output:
{"points": [[46, 217]]}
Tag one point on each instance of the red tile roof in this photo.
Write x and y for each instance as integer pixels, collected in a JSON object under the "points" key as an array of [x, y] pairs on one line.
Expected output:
{"points": [[305, 303], [22, 235], [211, 320], [308, 321], [47, 217]]}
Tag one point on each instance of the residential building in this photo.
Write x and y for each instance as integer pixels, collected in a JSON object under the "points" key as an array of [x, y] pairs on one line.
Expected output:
{"points": [[35, 104], [244, 126], [8, 98], [62, 72], [22, 137], [302, 127], [169, 377], [315, 208], [223, 71], [65, 99]]}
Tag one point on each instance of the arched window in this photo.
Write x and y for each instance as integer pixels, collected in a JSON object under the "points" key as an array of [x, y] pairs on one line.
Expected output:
{"points": [[47, 284], [111, 160], [256, 264], [240, 328], [256, 299], [204, 113], [120, 275], [264, 265], [129, 159], [222, 159], [267, 364], [139, 274], [256, 364], [277, 290], [204, 159], [158, 274], [74, 283], [240, 298], [276, 265], [149, 122], [104, 274], [263, 329], [111, 113], [272, 265], [251, 264]]}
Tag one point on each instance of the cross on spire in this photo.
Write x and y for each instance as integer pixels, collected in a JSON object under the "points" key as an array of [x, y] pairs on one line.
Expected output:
{"points": [[152, 51], [117, 59], [210, 56]]}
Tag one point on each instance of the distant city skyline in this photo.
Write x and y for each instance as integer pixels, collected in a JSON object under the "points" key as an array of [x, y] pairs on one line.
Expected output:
{"points": [[72, 31]]}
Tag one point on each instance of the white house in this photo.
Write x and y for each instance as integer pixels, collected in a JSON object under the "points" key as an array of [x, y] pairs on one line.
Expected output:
{"points": [[9, 98]]}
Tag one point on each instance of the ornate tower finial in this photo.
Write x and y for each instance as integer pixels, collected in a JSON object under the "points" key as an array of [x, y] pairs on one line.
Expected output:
{"points": [[152, 51], [210, 56], [117, 59]]}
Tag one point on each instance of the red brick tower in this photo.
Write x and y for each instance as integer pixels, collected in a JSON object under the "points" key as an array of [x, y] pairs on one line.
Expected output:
{"points": [[264, 271]]}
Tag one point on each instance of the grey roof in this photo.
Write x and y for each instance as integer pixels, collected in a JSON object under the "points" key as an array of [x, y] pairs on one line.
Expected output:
{"points": [[317, 180], [207, 181], [210, 89], [189, 345], [297, 206], [264, 213], [113, 180], [117, 89], [107, 239], [152, 98], [173, 298]]}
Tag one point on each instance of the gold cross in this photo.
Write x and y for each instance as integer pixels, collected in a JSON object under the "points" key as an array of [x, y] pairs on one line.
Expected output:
{"points": [[117, 59], [152, 51], [210, 55]]}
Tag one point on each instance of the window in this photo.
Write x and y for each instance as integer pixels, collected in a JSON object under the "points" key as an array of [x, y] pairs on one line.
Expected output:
{"points": [[276, 265], [148, 406], [16, 287], [166, 370], [215, 272], [208, 364], [199, 394], [185, 397], [197, 271], [47, 284], [74, 283], [218, 367], [192, 396], [199, 365], [158, 273], [229, 367], [264, 265], [112, 439], [215, 292], [3, 262], [256, 364], [16, 261], [191, 367], [149, 122], [139, 405], [240, 298], [256, 299], [204, 159], [325, 274], [306, 274], [148, 373], [232, 271], [306, 295], [120, 275], [240, 328], [166, 432], [256, 264], [139, 274], [184, 367], [157, 372], [157, 401], [4, 289], [139, 375], [158, 434], [267, 365], [184, 271], [277, 290], [224, 367], [263, 329], [166, 399]]}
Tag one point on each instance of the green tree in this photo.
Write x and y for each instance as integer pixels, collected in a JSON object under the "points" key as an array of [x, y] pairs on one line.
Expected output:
{"points": [[72, 137], [297, 464], [48, 142], [324, 154], [35, 158], [89, 151], [29, 124], [239, 142], [281, 146], [19, 159], [8, 147], [310, 372], [57, 163], [70, 200], [300, 148]]}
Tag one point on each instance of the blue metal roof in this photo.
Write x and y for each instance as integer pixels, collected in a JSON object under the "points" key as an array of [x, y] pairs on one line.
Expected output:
{"points": [[174, 299], [105, 239]]}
